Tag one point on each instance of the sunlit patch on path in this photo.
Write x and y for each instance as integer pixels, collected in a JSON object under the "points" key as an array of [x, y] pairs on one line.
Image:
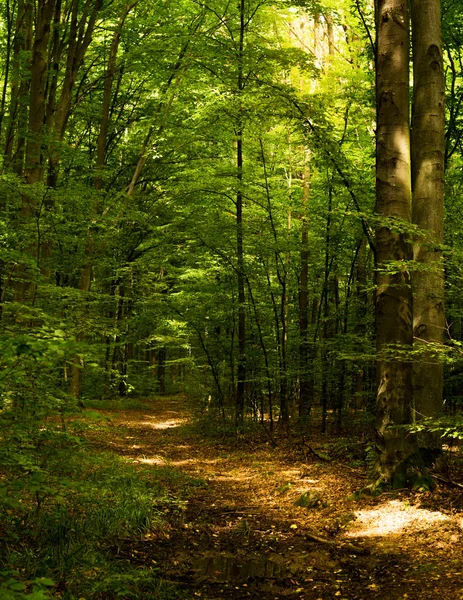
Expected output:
{"points": [[165, 423], [394, 517]]}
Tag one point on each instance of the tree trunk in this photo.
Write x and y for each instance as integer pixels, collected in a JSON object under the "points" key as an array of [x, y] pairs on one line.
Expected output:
{"points": [[361, 301], [394, 331], [327, 318], [34, 168], [284, 318], [161, 369], [305, 351], [241, 374], [428, 147], [80, 36], [86, 270], [19, 90], [107, 93], [8, 48]]}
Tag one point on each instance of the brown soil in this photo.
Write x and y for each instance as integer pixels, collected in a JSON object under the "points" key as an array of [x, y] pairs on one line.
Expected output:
{"points": [[241, 535]]}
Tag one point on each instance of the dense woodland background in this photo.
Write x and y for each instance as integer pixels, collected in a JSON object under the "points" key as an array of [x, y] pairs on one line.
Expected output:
{"points": [[188, 205], [137, 256]]}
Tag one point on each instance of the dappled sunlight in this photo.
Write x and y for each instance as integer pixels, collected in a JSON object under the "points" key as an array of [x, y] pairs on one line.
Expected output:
{"points": [[249, 507], [394, 517], [193, 461], [166, 424], [155, 460], [167, 420]]}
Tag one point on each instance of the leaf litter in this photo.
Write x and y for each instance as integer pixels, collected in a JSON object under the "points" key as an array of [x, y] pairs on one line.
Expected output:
{"points": [[246, 533]]}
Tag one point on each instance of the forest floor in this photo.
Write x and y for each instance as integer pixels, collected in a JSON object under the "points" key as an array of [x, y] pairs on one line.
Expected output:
{"points": [[239, 534]]}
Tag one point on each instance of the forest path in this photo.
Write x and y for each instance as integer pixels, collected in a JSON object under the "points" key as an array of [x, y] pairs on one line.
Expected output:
{"points": [[240, 535]]}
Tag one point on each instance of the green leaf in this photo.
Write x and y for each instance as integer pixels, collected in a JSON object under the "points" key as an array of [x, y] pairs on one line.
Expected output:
{"points": [[46, 581]]}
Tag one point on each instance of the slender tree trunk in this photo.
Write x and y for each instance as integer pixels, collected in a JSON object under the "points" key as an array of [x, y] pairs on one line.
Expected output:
{"points": [[25, 285], [268, 374], [305, 369], [86, 270], [107, 372], [325, 305], [15, 133], [55, 52], [34, 167], [107, 93], [394, 331], [428, 149], [241, 373], [162, 110], [9, 13], [284, 392], [161, 369], [241, 279], [80, 35], [306, 348], [361, 301]]}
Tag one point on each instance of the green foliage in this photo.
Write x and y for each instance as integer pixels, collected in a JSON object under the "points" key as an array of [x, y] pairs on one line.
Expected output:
{"points": [[13, 588], [447, 427], [311, 499], [65, 508], [110, 294]]}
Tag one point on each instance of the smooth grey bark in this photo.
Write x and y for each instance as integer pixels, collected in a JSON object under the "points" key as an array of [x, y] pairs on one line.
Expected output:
{"points": [[428, 151], [394, 310]]}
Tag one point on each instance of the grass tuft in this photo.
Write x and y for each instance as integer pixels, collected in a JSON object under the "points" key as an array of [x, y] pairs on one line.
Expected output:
{"points": [[65, 509]]}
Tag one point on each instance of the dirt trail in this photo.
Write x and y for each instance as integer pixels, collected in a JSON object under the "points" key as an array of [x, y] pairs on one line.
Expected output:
{"points": [[240, 535]]}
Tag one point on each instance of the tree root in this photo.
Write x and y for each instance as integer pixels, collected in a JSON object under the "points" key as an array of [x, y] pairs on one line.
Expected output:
{"points": [[342, 545]]}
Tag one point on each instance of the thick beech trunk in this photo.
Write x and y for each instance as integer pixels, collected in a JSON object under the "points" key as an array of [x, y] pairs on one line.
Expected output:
{"points": [[428, 148], [394, 333]]}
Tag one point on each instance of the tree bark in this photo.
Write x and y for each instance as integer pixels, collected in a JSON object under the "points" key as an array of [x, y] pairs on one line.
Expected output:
{"points": [[19, 90], [34, 168], [86, 270], [80, 36], [107, 93], [394, 332], [428, 150], [241, 279], [9, 13], [305, 349]]}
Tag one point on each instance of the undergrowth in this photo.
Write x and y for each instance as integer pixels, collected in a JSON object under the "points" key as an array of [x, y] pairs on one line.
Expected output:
{"points": [[64, 509], [217, 429], [116, 404]]}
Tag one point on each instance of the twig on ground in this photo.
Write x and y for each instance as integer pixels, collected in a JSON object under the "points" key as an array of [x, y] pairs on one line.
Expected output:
{"points": [[447, 481], [344, 545]]}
